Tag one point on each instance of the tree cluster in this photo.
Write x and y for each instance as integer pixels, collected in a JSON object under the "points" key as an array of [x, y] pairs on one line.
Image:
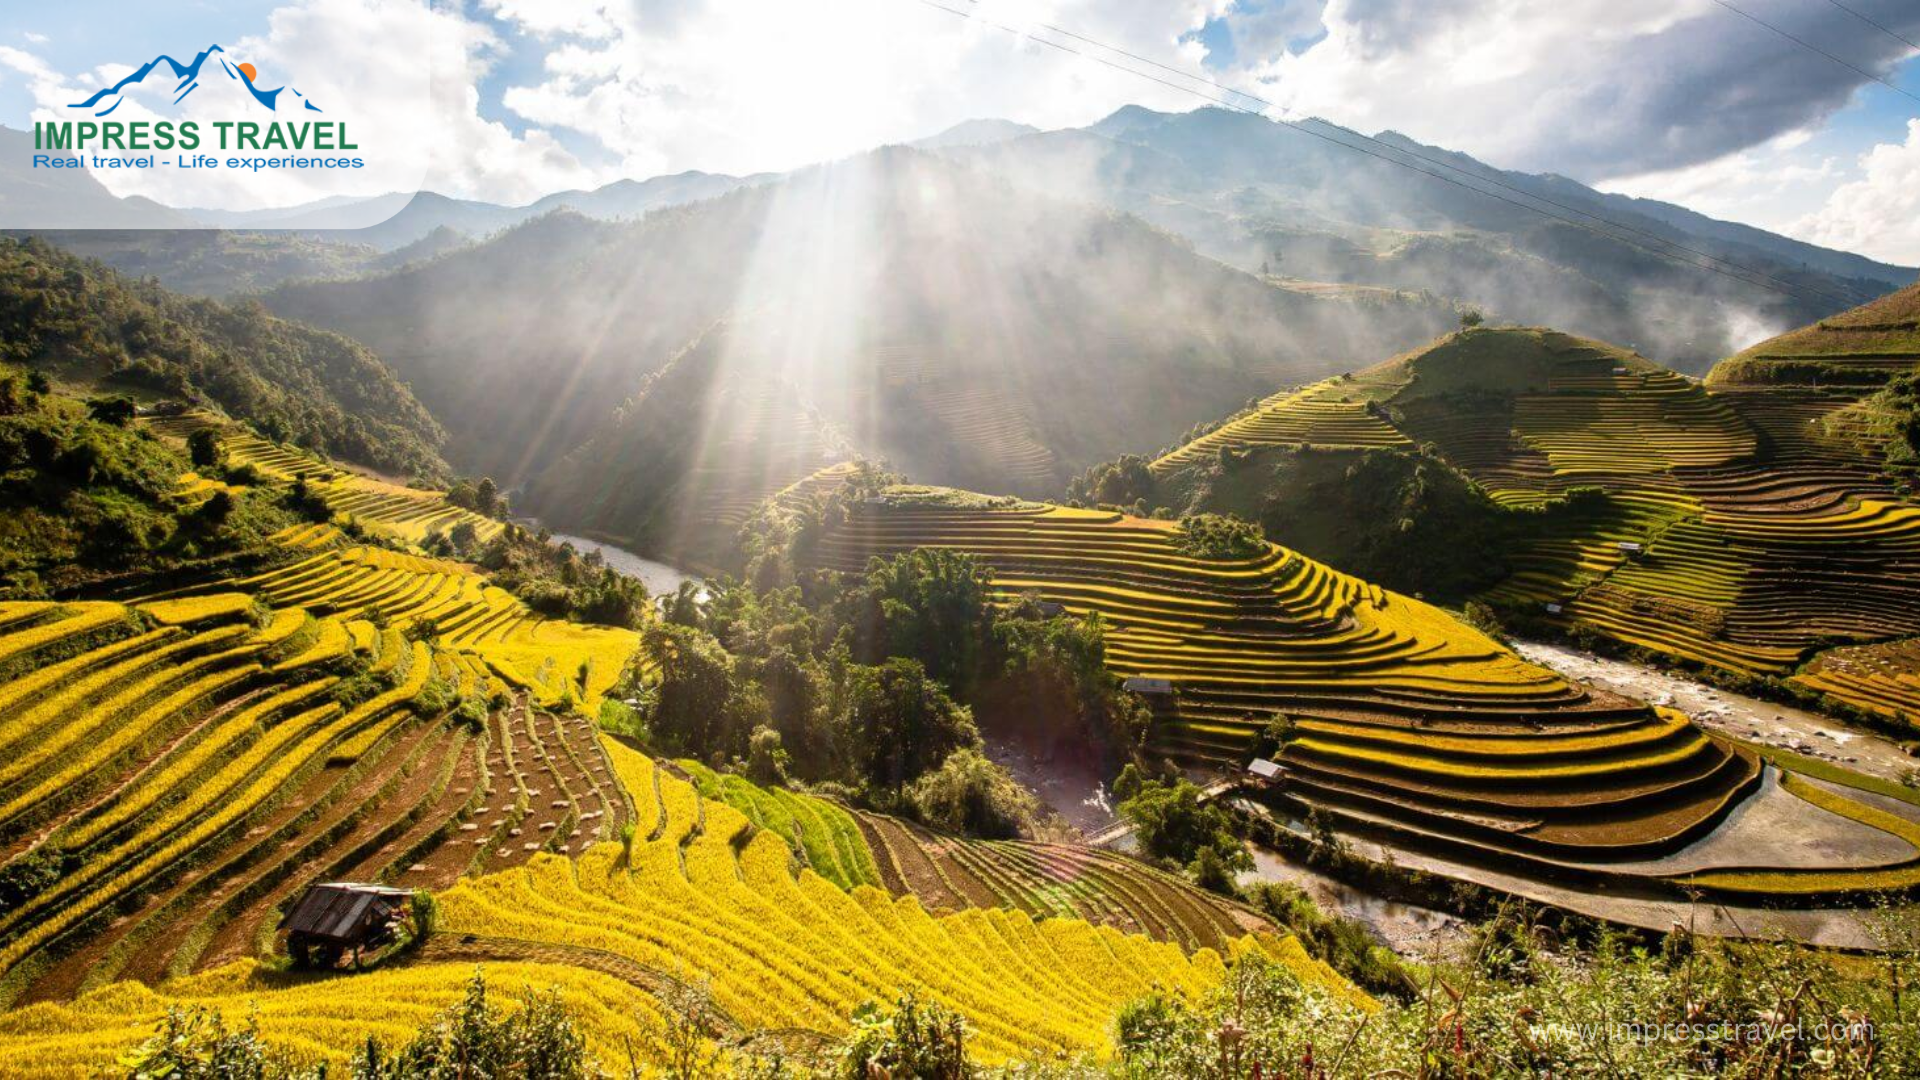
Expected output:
{"points": [[1220, 536], [294, 383], [881, 682], [554, 580], [85, 495]]}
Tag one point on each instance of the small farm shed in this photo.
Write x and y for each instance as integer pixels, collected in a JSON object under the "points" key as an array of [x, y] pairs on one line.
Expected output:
{"points": [[1262, 768], [336, 917], [1141, 685], [1050, 608]]}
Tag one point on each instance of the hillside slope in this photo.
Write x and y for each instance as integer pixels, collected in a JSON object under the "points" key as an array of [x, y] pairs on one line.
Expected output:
{"points": [[940, 318], [1256, 193], [1855, 377], [83, 322], [182, 765], [1392, 718], [1727, 527]]}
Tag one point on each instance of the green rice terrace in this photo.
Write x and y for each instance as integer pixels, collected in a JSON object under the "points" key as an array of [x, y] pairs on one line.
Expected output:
{"points": [[1405, 723], [1758, 524]]}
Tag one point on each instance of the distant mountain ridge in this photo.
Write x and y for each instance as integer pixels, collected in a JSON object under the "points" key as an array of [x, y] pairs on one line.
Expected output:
{"points": [[936, 315], [1256, 194], [392, 221]]}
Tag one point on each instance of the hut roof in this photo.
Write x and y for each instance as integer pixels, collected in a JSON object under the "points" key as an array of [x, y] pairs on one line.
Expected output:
{"points": [[338, 909]]}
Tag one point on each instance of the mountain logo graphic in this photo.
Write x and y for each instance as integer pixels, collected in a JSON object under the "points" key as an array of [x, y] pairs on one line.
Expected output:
{"points": [[104, 102]]}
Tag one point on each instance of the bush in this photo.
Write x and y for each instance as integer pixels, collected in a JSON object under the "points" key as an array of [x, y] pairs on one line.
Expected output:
{"points": [[475, 1039], [195, 1044], [921, 1040], [1220, 536], [1172, 823], [970, 794]]}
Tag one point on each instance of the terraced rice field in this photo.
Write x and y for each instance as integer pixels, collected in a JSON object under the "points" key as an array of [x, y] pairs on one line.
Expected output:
{"points": [[1405, 713], [412, 514], [553, 660], [1883, 679], [1050, 880], [1855, 350], [1745, 527], [194, 770], [698, 895], [702, 892], [767, 443], [996, 429], [193, 764], [1322, 415], [951, 873]]}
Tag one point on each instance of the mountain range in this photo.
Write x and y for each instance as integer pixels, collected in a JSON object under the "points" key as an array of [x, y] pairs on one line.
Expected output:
{"points": [[936, 315]]}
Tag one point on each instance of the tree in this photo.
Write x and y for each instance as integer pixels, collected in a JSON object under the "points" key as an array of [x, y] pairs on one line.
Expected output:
{"points": [[1053, 681], [1220, 536], [1171, 822], [766, 758], [217, 509], [931, 604], [302, 499], [486, 498], [203, 446], [696, 703], [1120, 482], [902, 723], [38, 383], [1471, 318], [970, 794], [464, 537], [117, 411]]}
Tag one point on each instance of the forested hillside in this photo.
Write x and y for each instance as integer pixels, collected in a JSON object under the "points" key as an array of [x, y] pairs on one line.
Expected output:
{"points": [[940, 318], [80, 321]]}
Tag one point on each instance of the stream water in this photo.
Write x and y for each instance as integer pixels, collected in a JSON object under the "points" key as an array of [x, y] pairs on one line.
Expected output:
{"points": [[661, 579]]}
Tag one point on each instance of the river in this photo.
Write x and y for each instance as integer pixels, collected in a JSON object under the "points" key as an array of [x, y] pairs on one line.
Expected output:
{"points": [[660, 578]]}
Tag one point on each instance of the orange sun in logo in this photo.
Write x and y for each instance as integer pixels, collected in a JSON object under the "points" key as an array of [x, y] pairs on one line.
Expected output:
{"points": [[248, 71]]}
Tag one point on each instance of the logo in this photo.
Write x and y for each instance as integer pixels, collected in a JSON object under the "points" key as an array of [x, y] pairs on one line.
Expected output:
{"points": [[188, 76]]}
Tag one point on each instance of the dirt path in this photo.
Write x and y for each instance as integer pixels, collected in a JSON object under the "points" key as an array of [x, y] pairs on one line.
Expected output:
{"points": [[1765, 723]]}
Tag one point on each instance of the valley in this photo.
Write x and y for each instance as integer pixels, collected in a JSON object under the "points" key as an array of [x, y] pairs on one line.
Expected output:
{"points": [[1154, 598]]}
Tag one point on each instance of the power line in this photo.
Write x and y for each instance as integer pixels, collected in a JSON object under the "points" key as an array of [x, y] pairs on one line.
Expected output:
{"points": [[1734, 271], [1815, 48], [1877, 26], [1778, 285]]}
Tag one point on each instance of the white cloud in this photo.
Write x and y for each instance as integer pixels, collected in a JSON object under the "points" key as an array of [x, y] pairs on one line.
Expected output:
{"points": [[42, 81], [1878, 215], [33, 38], [584, 18], [1771, 185], [750, 85], [1590, 88]]}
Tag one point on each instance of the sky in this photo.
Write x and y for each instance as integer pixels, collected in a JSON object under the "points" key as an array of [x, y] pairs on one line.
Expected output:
{"points": [[508, 100]]}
